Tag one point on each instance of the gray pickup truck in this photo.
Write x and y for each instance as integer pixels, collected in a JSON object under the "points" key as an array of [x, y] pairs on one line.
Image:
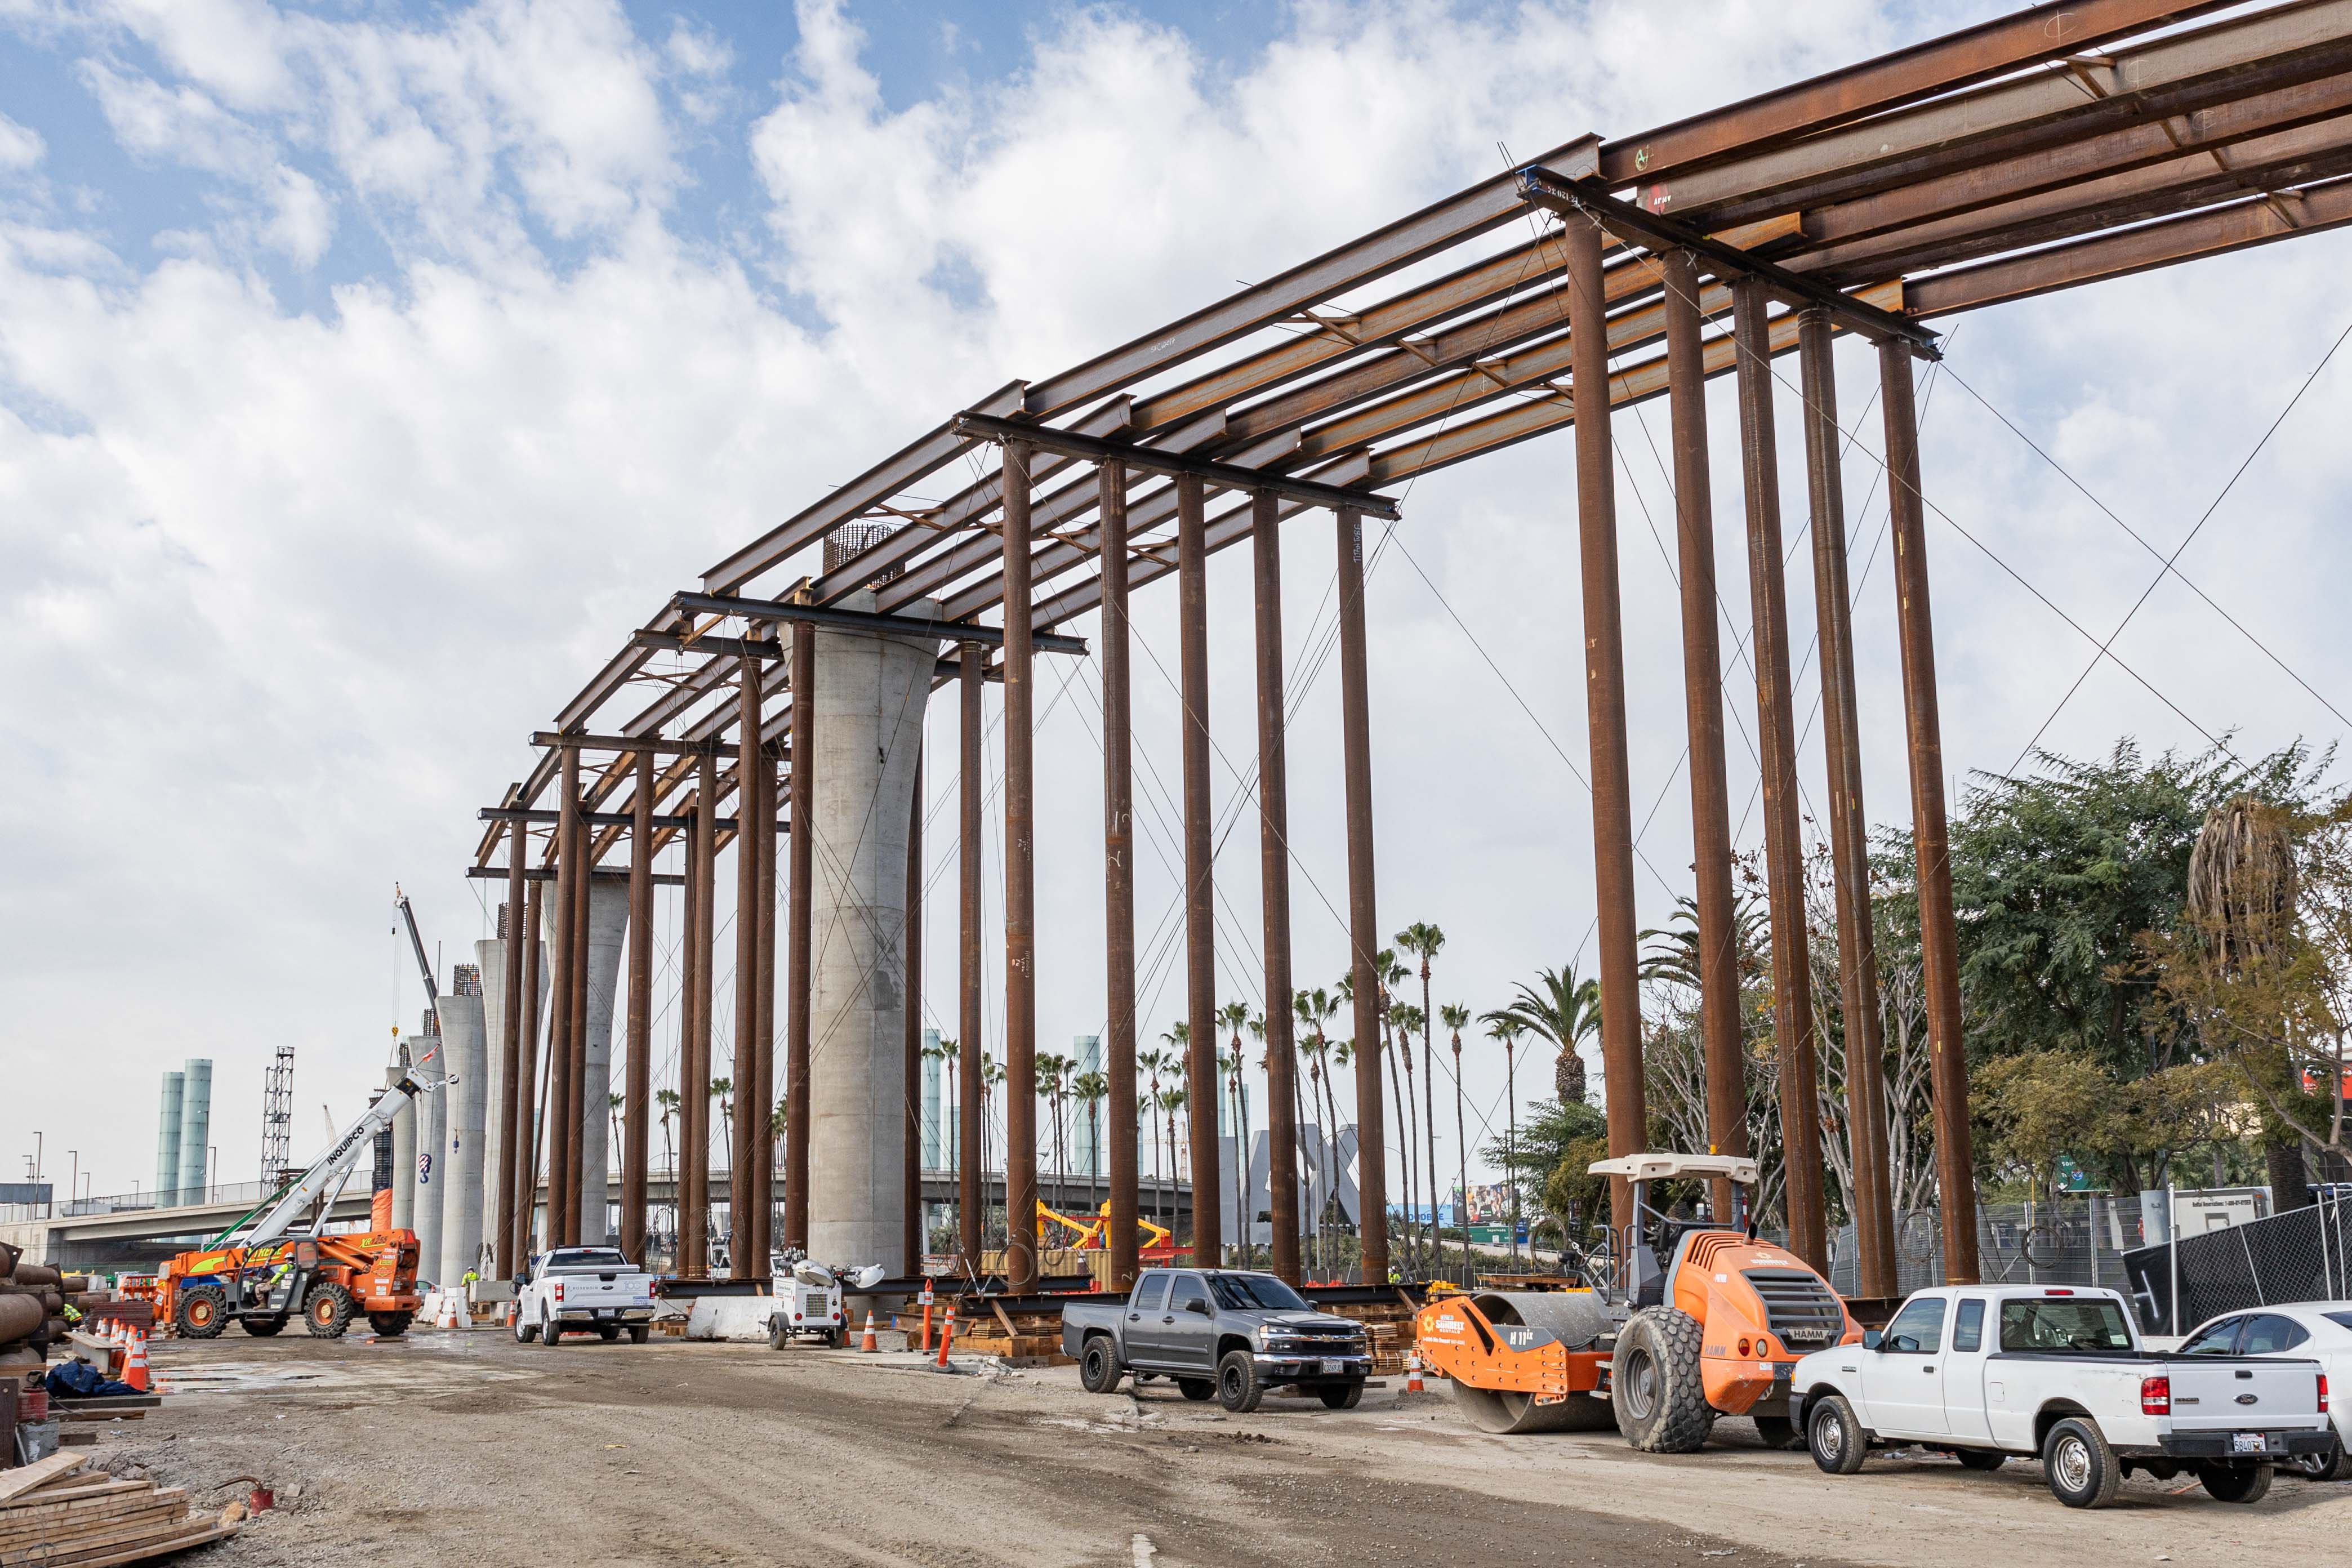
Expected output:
{"points": [[1217, 1331]]}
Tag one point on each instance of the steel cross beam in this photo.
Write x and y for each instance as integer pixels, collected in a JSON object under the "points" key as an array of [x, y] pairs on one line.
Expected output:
{"points": [[1155, 460], [656, 744], [1586, 198], [864, 621]]}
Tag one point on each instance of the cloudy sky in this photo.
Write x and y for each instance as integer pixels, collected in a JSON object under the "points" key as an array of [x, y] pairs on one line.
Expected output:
{"points": [[367, 370]]}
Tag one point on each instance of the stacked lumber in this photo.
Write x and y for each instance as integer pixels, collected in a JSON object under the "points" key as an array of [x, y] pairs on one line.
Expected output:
{"points": [[984, 1328], [1388, 1326], [54, 1514]]}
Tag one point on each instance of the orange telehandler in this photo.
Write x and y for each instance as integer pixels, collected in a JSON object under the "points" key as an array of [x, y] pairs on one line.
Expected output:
{"points": [[1702, 1320]]}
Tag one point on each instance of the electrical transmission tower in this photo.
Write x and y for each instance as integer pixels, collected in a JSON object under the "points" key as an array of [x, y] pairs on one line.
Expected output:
{"points": [[278, 1115]]}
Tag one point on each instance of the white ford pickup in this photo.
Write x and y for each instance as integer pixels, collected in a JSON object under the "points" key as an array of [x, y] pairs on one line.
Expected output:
{"points": [[1989, 1372], [582, 1290]]}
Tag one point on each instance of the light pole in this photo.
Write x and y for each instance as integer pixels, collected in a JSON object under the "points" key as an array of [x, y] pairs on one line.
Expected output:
{"points": [[73, 1178]]}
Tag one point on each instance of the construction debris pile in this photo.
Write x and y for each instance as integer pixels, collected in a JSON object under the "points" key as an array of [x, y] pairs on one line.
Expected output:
{"points": [[56, 1511]]}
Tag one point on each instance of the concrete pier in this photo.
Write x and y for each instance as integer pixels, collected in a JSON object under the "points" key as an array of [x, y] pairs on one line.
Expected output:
{"points": [[869, 699], [167, 1139], [608, 924], [461, 1142], [426, 1175], [403, 1146], [195, 1129], [490, 959]]}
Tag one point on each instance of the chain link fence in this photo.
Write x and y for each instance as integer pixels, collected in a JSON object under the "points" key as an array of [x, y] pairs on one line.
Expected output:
{"points": [[2079, 1238], [2299, 1255]]}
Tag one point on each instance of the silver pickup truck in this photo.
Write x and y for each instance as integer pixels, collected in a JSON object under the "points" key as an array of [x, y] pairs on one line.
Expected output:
{"points": [[1220, 1333]]}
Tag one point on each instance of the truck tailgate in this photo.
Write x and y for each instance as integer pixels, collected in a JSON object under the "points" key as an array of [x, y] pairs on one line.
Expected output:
{"points": [[2233, 1392], [606, 1290]]}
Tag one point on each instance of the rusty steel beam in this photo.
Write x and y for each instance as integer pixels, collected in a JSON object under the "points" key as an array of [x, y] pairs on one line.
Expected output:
{"points": [[1199, 850], [702, 892], [912, 1238], [744, 1135], [1948, 1077], [1155, 460], [637, 1091], [971, 1193], [1848, 826], [656, 745], [801, 963], [1363, 912], [1604, 698], [2242, 226], [575, 1112], [1940, 65], [838, 619], [1020, 890], [502, 1237], [1717, 913], [521, 1147], [763, 1035], [568, 864], [1776, 741], [1273, 897], [1119, 879], [537, 874]]}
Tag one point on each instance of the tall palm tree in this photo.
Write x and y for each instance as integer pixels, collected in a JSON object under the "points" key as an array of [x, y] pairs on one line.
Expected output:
{"points": [[991, 1075], [1508, 1031], [946, 1053], [1310, 1175], [1405, 1018], [1394, 974], [1255, 1024], [1152, 1064], [1053, 1074], [1566, 1010], [1170, 1101], [1092, 1089], [722, 1089], [667, 1099], [1456, 1018], [1423, 940]]}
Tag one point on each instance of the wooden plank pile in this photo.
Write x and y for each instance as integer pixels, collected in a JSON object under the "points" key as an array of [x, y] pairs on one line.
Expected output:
{"points": [[984, 1328], [53, 1514], [1388, 1326]]}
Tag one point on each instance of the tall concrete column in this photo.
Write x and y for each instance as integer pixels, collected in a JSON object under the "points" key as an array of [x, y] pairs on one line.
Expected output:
{"points": [[460, 1164], [403, 1146], [608, 924], [195, 1129], [167, 1139], [490, 959], [424, 1173], [869, 701]]}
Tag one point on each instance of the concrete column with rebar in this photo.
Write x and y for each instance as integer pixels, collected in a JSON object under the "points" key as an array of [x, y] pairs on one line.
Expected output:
{"points": [[603, 935]]}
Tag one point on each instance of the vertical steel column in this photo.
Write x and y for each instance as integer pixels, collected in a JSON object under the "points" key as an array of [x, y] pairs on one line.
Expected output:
{"points": [[523, 1130], [742, 1133], [971, 1193], [1274, 899], [685, 1187], [1020, 892], [502, 1238], [637, 1093], [568, 871], [1938, 943], [1849, 828], [1726, 1067], [1118, 878], [1199, 900], [1784, 850], [575, 1124], [1604, 700], [702, 883], [763, 1034], [800, 971], [913, 995], [1363, 911]]}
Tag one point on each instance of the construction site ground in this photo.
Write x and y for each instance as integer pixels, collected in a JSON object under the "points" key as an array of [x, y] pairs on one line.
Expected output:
{"points": [[467, 1447]]}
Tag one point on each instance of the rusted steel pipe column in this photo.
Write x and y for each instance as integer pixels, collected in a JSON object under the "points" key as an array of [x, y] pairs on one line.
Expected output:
{"points": [[1119, 879], [636, 1092], [1364, 913], [1200, 902], [971, 1195], [747, 1119], [1848, 827], [1727, 1082], [1938, 943], [763, 1034], [800, 970], [1605, 702], [568, 868], [683, 1189], [573, 1123], [1273, 899], [522, 1128], [915, 1238], [1020, 892], [503, 1236], [702, 886], [1776, 737]]}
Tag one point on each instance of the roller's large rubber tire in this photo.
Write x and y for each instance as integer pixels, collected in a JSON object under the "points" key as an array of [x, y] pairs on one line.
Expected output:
{"points": [[2081, 1470], [261, 1328], [2235, 1483], [1197, 1389], [1516, 1414], [1654, 1383], [392, 1325], [1778, 1432], [1341, 1396], [2332, 1466], [326, 1311], [1098, 1368], [1835, 1436], [1238, 1389], [639, 1333], [1983, 1461], [200, 1312]]}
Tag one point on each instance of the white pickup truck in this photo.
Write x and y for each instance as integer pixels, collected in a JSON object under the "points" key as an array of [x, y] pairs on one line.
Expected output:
{"points": [[1989, 1372], [582, 1290]]}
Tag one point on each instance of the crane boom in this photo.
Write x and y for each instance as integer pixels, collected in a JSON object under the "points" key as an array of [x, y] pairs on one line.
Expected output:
{"points": [[328, 1171], [423, 965]]}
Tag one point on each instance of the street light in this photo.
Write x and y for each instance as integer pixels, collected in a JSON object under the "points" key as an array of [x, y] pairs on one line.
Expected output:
{"points": [[73, 1177]]}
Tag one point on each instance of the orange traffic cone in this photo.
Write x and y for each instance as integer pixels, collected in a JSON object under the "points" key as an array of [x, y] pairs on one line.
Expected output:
{"points": [[1413, 1372], [134, 1370], [946, 1336], [866, 1343]]}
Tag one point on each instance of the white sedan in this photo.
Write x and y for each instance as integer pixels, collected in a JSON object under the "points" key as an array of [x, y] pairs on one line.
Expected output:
{"points": [[2313, 1331]]}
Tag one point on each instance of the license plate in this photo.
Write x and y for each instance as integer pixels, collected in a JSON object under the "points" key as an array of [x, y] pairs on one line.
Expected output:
{"points": [[1333, 1368], [2247, 1443]]}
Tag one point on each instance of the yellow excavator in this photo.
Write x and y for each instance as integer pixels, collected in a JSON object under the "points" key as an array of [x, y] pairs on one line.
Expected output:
{"points": [[1089, 1234]]}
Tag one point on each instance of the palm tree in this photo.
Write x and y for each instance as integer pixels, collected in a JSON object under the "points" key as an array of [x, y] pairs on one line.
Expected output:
{"points": [[1405, 1018], [667, 1099], [1052, 1073], [1152, 1064], [775, 1130], [991, 1075], [1092, 1089], [1456, 1018], [1310, 1208], [1423, 940], [1565, 1010], [1508, 1030], [722, 1089], [1255, 1024], [1170, 1102], [946, 1053], [1393, 1009]]}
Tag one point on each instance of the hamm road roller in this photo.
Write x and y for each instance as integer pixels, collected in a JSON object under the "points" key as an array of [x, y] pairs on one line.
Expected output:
{"points": [[1699, 1320]]}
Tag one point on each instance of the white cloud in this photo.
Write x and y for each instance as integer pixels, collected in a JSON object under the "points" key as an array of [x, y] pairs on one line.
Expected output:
{"points": [[20, 147]]}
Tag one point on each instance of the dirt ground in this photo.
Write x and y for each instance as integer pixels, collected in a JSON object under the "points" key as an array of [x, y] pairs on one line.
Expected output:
{"points": [[467, 1448]]}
